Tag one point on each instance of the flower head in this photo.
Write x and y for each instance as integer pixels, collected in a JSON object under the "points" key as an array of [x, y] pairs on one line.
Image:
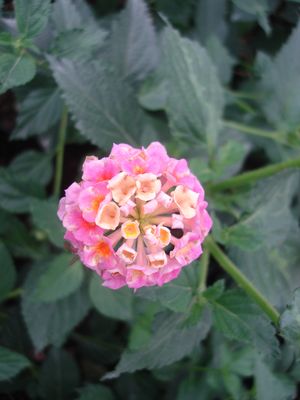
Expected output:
{"points": [[137, 217]]}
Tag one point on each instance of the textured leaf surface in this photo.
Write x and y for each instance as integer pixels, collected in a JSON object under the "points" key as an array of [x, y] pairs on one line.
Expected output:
{"points": [[103, 106], [38, 112], [271, 385], [290, 320], [60, 279], [175, 295], [32, 16], [51, 323], [238, 318], [112, 303], [59, 376], [44, 215], [195, 99], [15, 70], [7, 272], [280, 84], [11, 363], [170, 342], [132, 45]]}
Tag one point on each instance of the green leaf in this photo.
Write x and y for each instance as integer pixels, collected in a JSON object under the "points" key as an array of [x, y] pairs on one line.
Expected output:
{"points": [[177, 11], [259, 8], [132, 46], [32, 166], [266, 269], [290, 320], [153, 93], [66, 16], [11, 363], [59, 376], [112, 303], [221, 58], [38, 112], [44, 215], [271, 385], [238, 318], [93, 392], [78, 44], [280, 85], [175, 295], [7, 272], [51, 323], [60, 279], [263, 201], [210, 19], [15, 70], [32, 16], [170, 342], [96, 97], [16, 195], [195, 97]]}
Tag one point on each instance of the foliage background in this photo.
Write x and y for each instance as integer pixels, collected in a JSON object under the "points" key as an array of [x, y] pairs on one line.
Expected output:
{"points": [[218, 82]]}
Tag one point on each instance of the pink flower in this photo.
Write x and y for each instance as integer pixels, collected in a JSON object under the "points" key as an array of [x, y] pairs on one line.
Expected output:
{"points": [[123, 218]]}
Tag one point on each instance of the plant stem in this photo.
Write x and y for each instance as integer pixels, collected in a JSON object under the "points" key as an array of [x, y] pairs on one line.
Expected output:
{"points": [[203, 264], [60, 151], [253, 176], [255, 131], [242, 280]]}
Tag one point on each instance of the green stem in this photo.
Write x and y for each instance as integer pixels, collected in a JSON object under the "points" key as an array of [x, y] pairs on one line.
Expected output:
{"points": [[242, 280], [203, 264], [60, 151], [255, 131], [253, 176]]}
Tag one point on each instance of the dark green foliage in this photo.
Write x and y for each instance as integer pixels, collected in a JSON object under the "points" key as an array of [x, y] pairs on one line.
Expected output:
{"points": [[218, 82]]}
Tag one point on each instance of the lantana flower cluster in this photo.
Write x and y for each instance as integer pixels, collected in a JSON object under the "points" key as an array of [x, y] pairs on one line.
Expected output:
{"points": [[137, 217]]}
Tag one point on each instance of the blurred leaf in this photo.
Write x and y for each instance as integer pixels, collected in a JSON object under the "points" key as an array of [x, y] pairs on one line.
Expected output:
{"points": [[221, 58], [98, 98], [32, 166], [214, 291], [16, 195], [290, 320], [170, 342], [38, 112], [32, 16], [16, 237], [15, 70], [280, 85], [238, 318], [210, 19], [153, 93], [177, 11], [259, 8], [132, 45], [7, 272], [93, 392], [59, 376], [44, 215], [243, 236], [112, 303], [51, 323], [66, 16], [271, 385], [60, 279], [11, 363], [140, 332], [175, 295], [195, 97], [78, 44]]}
